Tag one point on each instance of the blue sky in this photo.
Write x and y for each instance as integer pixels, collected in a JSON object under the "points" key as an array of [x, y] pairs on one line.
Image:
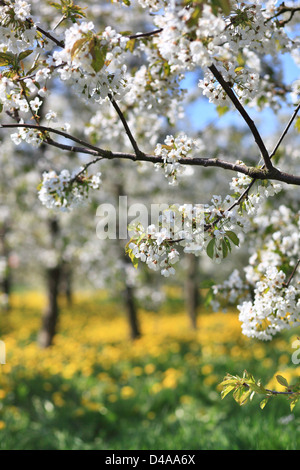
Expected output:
{"points": [[201, 113]]}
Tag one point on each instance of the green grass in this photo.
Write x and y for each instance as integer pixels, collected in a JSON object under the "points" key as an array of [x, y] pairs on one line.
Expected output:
{"points": [[115, 406]]}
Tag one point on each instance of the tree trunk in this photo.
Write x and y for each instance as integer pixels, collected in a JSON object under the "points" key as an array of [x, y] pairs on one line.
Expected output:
{"points": [[6, 279], [66, 283], [53, 277], [6, 288], [192, 289], [131, 312], [50, 316], [128, 292]]}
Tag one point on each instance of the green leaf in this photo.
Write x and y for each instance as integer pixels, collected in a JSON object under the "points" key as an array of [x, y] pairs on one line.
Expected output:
{"points": [[211, 248], [282, 381], [224, 249], [77, 46], [99, 56], [227, 390], [297, 124], [130, 45], [6, 58], [264, 402], [24, 54], [221, 110], [238, 69], [225, 5], [294, 402], [244, 397], [233, 237], [227, 243]]}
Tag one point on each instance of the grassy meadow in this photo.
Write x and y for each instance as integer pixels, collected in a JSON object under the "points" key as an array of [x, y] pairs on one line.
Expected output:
{"points": [[97, 389]]}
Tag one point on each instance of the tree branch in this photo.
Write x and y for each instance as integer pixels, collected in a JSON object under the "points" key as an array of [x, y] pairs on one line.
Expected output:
{"points": [[46, 33], [256, 173], [286, 284], [281, 10], [145, 35], [125, 125], [45, 129], [285, 131], [227, 88]]}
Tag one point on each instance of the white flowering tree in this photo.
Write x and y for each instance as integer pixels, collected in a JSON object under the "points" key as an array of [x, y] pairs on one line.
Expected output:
{"points": [[238, 50]]}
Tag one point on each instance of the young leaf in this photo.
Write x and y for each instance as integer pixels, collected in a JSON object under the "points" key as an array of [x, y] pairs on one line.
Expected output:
{"points": [[6, 58], [227, 390], [24, 54], [297, 124], [233, 237], [224, 249], [211, 248], [294, 402], [264, 402], [130, 45], [282, 381]]}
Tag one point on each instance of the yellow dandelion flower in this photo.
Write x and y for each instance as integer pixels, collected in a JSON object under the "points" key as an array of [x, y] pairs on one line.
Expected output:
{"points": [[127, 392], [58, 399], [137, 371], [186, 399], [211, 380], [156, 388], [149, 368], [150, 415], [284, 359], [112, 398], [207, 369]]}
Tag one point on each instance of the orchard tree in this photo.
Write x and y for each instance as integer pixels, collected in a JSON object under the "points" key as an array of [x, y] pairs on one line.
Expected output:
{"points": [[237, 48]]}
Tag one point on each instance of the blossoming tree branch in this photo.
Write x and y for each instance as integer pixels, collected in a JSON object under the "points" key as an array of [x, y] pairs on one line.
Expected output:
{"points": [[138, 75]]}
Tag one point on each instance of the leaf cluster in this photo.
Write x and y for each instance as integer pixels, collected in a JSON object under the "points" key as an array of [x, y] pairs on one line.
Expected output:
{"points": [[69, 10], [244, 388]]}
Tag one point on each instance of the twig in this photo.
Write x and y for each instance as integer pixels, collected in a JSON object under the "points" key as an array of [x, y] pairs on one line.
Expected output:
{"points": [[281, 10], [49, 36], [256, 173], [85, 167], [285, 131], [286, 284], [227, 88], [244, 194], [145, 35], [43, 129], [126, 127]]}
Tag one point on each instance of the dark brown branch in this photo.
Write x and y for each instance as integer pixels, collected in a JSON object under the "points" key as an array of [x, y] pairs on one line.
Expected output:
{"points": [[145, 35], [46, 33], [49, 36], [280, 11], [85, 167], [227, 88], [125, 125], [286, 284], [256, 173], [275, 392], [245, 193], [45, 129], [70, 148], [285, 131]]}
